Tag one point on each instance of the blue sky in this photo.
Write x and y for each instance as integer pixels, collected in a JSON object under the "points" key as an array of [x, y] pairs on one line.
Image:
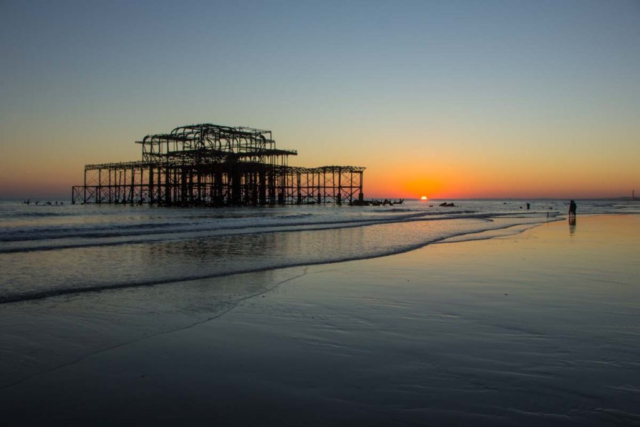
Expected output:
{"points": [[489, 88]]}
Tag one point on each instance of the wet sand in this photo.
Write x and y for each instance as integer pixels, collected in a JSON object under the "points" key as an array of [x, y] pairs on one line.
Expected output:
{"points": [[540, 328]]}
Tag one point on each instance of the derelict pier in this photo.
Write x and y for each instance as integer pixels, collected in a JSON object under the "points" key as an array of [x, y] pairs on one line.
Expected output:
{"points": [[212, 165]]}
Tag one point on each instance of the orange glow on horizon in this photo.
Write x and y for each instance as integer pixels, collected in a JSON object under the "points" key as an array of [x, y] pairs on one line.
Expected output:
{"points": [[25, 176], [475, 181]]}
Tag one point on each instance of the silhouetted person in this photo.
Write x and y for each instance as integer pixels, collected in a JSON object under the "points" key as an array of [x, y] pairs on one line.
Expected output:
{"points": [[572, 212]]}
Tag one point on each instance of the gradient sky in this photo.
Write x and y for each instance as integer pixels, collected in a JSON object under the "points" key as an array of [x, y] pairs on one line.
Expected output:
{"points": [[447, 99]]}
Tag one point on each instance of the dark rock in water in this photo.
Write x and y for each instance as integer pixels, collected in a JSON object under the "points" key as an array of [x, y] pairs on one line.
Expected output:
{"points": [[447, 205]]}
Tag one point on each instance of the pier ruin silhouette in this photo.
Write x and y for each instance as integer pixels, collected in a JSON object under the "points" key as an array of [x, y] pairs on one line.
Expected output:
{"points": [[212, 165]]}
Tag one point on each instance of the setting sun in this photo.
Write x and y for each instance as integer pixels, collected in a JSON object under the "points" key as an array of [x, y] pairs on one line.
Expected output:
{"points": [[423, 198]]}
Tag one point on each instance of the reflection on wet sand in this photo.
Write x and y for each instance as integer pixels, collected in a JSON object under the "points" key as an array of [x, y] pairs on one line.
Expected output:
{"points": [[65, 330]]}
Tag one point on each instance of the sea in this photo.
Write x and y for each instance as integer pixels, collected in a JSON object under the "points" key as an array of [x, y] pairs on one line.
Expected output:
{"points": [[56, 248]]}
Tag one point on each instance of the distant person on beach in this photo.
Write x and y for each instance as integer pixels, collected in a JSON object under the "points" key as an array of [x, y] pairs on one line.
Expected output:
{"points": [[572, 213]]}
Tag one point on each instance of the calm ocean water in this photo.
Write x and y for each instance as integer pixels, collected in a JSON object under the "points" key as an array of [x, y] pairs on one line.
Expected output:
{"points": [[50, 250]]}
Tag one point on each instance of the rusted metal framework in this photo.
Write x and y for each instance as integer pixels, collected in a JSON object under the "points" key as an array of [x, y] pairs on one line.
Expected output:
{"points": [[212, 165]]}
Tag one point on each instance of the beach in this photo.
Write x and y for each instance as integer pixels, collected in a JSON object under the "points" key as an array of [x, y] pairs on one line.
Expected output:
{"points": [[320, 213], [535, 328]]}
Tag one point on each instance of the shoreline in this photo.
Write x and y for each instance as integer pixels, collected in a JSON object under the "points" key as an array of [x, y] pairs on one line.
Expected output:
{"points": [[527, 329], [362, 248]]}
